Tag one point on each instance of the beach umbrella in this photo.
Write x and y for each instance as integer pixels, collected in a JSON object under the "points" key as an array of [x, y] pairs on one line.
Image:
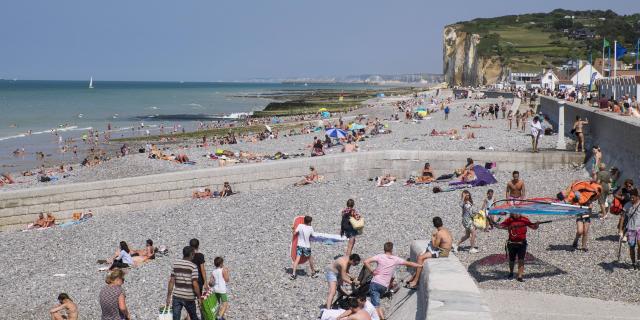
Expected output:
{"points": [[268, 128], [326, 114], [421, 108], [336, 133], [322, 109], [422, 113]]}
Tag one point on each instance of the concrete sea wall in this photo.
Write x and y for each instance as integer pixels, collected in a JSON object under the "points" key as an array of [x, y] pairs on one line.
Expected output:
{"points": [[135, 193], [617, 137]]}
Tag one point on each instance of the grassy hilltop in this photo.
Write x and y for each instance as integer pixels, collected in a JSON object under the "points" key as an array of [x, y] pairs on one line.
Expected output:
{"points": [[530, 42]]}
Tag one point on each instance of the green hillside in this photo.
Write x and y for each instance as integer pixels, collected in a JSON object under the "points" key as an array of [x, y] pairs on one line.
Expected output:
{"points": [[530, 42]]}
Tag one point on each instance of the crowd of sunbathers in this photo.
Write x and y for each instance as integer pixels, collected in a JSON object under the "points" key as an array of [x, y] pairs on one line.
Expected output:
{"points": [[49, 221]]}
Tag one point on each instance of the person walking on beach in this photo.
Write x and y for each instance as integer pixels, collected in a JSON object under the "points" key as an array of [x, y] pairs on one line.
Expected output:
{"points": [[198, 260], [632, 214], [218, 281], [510, 119], [337, 273], [515, 187], [446, 112], [467, 222], [112, 299], [183, 288], [346, 229], [603, 178], [536, 132], [579, 131], [67, 305], [304, 231], [386, 265], [517, 226]]}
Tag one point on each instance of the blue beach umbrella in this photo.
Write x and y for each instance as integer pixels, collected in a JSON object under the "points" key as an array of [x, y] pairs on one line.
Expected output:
{"points": [[336, 133]]}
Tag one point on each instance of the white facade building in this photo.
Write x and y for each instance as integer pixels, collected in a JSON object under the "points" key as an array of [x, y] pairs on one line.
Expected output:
{"points": [[586, 75]]}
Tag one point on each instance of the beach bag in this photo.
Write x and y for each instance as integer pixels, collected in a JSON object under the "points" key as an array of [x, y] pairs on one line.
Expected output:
{"points": [[209, 306], [616, 207], [357, 224], [165, 314], [480, 220]]}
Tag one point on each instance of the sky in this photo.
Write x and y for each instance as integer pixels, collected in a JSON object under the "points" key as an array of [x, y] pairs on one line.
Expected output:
{"points": [[235, 40]]}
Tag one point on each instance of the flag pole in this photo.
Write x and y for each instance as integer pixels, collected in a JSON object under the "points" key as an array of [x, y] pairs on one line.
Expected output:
{"points": [[615, 66], [609, 59], [637, 56], [604, 40], [590, 69]]}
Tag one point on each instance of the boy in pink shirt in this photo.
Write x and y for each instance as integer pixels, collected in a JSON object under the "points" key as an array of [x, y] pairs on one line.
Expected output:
{"points": [[386, 265]]}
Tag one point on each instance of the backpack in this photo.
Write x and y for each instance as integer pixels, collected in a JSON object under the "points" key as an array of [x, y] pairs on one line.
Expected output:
{"points": [[616, 207]]}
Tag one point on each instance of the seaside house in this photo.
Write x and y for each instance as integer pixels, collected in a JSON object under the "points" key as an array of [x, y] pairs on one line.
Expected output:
{"points": [[549, 80], [586, 75]]}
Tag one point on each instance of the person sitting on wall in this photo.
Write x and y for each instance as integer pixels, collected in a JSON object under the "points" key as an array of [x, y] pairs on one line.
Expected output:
{"points": [[439, 247]]}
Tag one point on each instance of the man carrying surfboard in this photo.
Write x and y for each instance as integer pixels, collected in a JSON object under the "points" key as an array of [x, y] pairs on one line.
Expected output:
{"points": [[304, 231], [517, 225]]}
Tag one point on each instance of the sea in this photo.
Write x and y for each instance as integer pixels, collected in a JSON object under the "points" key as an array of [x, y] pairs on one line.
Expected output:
{"points": [[36, 115]]}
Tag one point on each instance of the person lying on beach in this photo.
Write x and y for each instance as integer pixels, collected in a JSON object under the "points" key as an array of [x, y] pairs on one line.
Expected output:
{"points": [[386, 180], [50, 221], [467, 173], [143, 255], [40, 222], [475, 126], [310, 178], [435, 133], [202, 194], [181, 158], [426, 175], [67, 309], [350, 146], [6, 178]]}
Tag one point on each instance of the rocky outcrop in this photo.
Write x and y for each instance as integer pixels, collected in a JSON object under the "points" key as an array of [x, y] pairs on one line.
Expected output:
{"points": [[462, 64]]}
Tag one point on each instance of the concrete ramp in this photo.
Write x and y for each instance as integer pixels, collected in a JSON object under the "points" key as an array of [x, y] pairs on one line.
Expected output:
{"points": [[446, 292]]}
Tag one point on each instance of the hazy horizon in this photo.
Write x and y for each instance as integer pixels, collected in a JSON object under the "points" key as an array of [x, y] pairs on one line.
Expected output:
{"points": [[240, 41]]}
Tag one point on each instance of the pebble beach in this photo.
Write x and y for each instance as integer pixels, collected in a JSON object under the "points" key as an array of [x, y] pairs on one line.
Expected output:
{"points": [[252, 230]]}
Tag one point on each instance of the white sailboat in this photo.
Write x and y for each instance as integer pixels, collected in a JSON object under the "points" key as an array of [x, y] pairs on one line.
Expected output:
{"points": [[91, 83]]}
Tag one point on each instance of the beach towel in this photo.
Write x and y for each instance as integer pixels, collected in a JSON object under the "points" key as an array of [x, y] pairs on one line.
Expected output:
{"points": [[483, 177], [189, 162], [331, 314], [379, 183]]}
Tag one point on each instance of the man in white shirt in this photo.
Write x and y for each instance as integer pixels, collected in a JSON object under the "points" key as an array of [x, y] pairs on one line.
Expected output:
{"points": [[304, 231]]}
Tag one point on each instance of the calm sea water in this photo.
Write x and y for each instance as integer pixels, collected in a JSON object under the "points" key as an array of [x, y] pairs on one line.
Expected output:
{"points": [[72, 108]]}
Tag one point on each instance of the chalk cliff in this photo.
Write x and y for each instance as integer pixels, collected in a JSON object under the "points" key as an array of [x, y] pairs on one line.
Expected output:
{"points": [[462, 64]]}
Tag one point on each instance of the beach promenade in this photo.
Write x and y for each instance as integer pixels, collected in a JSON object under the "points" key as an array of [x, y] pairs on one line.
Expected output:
{"points": [[251, 230]]}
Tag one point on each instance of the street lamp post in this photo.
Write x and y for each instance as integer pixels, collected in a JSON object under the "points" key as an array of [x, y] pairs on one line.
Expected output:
{"points": [[561, 144]]}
